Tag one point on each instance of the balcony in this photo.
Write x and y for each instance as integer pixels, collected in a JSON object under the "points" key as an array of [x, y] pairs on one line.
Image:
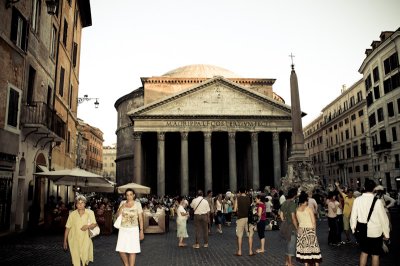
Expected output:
{"points": [[382, 147], [39, 119]]}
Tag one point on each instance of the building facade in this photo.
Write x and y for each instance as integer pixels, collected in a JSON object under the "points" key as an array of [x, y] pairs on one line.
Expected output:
{"points": [[109, 166], [338, 142], [381, 76], [92, 137], [38, 89], [202, 127], [315, 146]]}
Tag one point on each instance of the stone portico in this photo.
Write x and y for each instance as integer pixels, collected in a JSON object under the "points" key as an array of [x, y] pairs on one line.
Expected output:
{"points": [[218, 133]]}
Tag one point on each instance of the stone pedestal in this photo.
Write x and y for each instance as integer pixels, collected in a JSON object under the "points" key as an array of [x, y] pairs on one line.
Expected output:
{"points": [[300, 174]]}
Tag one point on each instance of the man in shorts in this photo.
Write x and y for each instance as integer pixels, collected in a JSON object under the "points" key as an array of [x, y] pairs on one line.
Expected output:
{"points": [[241, 207]]}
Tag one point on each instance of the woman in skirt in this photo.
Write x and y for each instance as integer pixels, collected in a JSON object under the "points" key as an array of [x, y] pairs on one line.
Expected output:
{"points": [[131, 230], [307, 247]]}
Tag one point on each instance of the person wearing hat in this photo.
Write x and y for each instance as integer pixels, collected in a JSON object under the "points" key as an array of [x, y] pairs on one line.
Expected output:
{"points": [[387, 200]]}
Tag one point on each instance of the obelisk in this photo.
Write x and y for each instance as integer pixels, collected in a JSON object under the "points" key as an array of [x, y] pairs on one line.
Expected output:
{"points": [[298, 150], [300, 172]]}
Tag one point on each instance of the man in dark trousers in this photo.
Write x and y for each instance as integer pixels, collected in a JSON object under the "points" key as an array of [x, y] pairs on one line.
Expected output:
{"points": [[241, 207], [201, 218]]}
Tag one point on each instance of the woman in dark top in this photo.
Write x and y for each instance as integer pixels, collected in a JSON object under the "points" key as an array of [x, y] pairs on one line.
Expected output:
{"points": [[261, 223]]}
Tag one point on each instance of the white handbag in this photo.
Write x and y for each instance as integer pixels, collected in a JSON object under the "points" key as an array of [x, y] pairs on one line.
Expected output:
{"points": [[117, 223], [94, 232]]}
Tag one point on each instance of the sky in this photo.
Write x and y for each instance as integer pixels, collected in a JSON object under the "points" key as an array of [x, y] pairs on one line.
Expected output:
{"points": [[130, 39]]}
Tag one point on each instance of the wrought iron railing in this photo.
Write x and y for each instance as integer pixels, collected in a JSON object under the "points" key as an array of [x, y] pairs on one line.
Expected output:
{"points": [[39, 113]]}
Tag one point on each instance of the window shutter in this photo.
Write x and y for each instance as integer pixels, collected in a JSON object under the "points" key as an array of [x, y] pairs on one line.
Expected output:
{"points": [[13, 101]]}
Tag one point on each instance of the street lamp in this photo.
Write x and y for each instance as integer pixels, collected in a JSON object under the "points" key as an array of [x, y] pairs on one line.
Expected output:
{"points": [[86, 98], [51, 6]]}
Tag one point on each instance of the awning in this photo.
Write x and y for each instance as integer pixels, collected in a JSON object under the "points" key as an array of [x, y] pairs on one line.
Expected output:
{"points": [[42, 168]]}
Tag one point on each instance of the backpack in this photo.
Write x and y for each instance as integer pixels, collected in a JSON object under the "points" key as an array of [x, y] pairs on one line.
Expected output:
{"points": [[252, 216]]}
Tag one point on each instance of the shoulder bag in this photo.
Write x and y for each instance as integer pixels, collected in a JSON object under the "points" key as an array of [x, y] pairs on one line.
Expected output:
{"points": [[362, 228], [93, 232]]}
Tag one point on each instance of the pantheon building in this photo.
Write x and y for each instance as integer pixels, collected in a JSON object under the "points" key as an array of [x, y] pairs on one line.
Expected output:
{"points": [[202, 127]]}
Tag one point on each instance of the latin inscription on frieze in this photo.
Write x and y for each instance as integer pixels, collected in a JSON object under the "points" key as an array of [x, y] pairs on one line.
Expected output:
{"points": [[217, 124]]}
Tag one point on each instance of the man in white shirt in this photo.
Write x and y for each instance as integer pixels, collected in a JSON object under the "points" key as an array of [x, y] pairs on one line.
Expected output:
{"points": [[201, 218], [282, 197], [378, 224]]}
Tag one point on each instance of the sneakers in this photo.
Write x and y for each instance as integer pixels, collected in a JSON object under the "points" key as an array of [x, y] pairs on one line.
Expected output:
{"points": [[196, 246]]}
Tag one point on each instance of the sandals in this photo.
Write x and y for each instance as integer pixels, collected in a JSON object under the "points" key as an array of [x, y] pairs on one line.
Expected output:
{"points": [[260, 251]]}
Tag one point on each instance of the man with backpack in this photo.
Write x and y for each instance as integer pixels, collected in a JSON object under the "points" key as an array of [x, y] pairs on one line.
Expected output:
{"points": [[241, 207]]}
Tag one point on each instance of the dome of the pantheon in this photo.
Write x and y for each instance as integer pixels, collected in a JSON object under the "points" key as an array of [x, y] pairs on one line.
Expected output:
{"points": [[200, 71]]}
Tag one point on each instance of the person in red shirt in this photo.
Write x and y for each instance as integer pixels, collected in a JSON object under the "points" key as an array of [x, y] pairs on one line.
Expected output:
{"points": [[261, 211]]}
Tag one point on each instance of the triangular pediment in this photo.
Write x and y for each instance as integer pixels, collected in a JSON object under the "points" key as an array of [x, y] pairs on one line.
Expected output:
{"points": [[215, 97]]}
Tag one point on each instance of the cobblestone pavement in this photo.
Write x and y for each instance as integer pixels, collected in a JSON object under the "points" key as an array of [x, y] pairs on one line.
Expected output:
{"points": [[162, 249]]}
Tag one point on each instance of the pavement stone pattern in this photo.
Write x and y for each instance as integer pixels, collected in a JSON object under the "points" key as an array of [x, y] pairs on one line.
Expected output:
{"points": [[162, 249]]}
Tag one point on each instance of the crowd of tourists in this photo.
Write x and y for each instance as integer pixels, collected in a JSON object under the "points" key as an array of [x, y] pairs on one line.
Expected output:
{"points": [[363, 216]]}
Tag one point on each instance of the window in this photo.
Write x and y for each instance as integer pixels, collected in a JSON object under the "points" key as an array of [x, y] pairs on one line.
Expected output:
{"points": [[347, 134], [396, 161], [362, 127], [352, 101], [346, 121], [365, 168], [350, 170], [353, 117], [391, 63], [368, 82], [391, 83], [35, 15], [380, 115], [348, 153], [65, 33], [13, 107], [61, 89], [19, 30], [394, 134], [68, 144], [74, 54], [53, 42], [357, 168], [377, 94], [382, 136], [398, 105], [70, 96], [390, 109], [363, 148], [372, 120], [359, 96], [360, 113], [31, 85], [354, 131], [376, 74], [355, 151], [370, 99]]}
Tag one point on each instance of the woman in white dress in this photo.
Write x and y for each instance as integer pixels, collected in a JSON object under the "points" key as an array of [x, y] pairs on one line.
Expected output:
{"points": [[131, 230], [181, 219]]}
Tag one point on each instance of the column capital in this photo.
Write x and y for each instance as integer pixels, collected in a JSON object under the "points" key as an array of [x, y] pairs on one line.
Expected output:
{"points": [[161, 136], [275, 136], [207, 135], [184, 135], [231, 135], [254, 136], [137, 135]]}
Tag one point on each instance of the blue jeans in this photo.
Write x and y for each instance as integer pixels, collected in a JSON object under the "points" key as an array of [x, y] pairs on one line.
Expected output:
{"points": [[291, 245]]}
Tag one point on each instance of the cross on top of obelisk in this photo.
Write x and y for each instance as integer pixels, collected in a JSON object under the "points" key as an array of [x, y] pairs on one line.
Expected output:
{"points": [[291, 56]]}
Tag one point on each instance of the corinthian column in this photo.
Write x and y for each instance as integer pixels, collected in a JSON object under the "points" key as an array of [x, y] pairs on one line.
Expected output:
{"points": [[184, 164], [137, 158], [161, 164], [277, 159], [207, 161], [232, 162], [255, 163]]}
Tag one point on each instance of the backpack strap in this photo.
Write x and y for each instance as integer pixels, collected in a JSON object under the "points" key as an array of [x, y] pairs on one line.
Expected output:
{"points": [[372, 208]]}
